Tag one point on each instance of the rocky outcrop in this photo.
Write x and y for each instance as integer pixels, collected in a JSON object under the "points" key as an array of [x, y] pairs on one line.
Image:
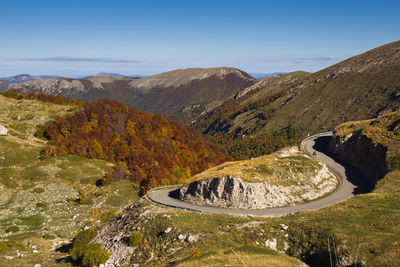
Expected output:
{"points": [[162, 240], [234, 192], [3, 130], [361, 152]]}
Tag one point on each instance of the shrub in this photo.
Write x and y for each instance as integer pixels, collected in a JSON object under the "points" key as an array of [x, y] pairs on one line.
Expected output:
{"points": [[41, 205], [48, 236], [94, 212], [12, 229], [95, 255], [87, 254], [135, 239], [3, 246], [70, 199], [80, 243], [196, 253], [82, 197], [84, 237], [47, 152], [38, 190]]}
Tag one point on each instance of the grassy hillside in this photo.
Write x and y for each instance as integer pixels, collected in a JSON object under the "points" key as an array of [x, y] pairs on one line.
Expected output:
{"points": [[361, 87], [39, 205]]}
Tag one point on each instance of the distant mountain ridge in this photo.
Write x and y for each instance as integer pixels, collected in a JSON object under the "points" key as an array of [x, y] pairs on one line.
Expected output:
{"points": [[180, 94], [27, 77], [17, 78], [110, 74]]}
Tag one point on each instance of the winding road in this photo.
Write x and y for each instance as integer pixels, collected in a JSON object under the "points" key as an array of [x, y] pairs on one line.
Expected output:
{"points": [[351, 183]]}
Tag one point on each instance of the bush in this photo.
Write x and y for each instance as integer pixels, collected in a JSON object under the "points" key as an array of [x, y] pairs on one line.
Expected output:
{"points": [[80, 243], [3, 246], [84, 237], [94, 212], [196, 253], [41, 205], [12, 229], [135, 239], [47, 152], [48, 236], [95, 255], [82, 197], [38, 190]]}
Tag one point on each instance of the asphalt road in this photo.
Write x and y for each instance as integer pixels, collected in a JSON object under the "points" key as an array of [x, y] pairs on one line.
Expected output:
{"points": [[351, 183]]}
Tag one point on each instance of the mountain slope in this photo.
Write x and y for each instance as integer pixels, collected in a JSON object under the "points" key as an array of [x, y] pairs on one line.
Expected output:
{"points": [[358, 88], [179, 94]]}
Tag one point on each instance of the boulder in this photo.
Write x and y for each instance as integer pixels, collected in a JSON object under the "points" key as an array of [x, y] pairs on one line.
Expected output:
{"points": [[3, 130], [271, 243]]}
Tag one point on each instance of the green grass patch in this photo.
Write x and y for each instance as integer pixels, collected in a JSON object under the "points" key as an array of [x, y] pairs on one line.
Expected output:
{"points": [[33, 222], [38, 190], [115, 201]]}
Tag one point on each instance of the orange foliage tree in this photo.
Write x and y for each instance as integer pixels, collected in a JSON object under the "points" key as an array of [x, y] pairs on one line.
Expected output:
{"points": [[155, 150]]}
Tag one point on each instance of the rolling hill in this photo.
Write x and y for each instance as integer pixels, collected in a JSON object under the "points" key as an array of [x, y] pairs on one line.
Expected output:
{"points": [[361, 87], [179, 94]]}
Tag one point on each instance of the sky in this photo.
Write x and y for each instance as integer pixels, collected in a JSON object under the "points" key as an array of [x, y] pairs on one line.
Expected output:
{"points": [[77, 37]]}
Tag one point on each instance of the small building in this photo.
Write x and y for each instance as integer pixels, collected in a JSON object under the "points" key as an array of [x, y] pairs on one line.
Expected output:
{"points": [[3, 130]]}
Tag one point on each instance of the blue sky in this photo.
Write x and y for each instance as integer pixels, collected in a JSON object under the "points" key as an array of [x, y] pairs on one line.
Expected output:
{"points": [[145, 37]]}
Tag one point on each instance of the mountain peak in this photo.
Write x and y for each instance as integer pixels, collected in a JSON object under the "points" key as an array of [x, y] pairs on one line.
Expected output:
{"points": [[109, 74], [180, 77], [18, 78]]}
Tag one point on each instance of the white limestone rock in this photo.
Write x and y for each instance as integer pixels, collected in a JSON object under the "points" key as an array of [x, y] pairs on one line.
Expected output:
{"points": [[3, 130], [271, 243], [234, 192]]}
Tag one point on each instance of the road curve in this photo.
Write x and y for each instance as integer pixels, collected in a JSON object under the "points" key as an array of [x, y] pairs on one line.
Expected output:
{"points": [[351, 183]]}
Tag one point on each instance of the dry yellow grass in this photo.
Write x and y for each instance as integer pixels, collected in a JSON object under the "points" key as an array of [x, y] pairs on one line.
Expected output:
{"points": [[384, 130], [235, 258], [21, 117], [273, 169]]}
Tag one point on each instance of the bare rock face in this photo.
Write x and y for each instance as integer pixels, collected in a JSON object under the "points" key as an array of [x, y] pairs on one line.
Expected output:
{"points": [[3, 130], [361, 151], [234, 192]]}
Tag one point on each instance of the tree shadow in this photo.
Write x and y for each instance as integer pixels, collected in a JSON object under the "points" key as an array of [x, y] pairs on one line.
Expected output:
{"points": [[64, 248], [353, 174]]}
